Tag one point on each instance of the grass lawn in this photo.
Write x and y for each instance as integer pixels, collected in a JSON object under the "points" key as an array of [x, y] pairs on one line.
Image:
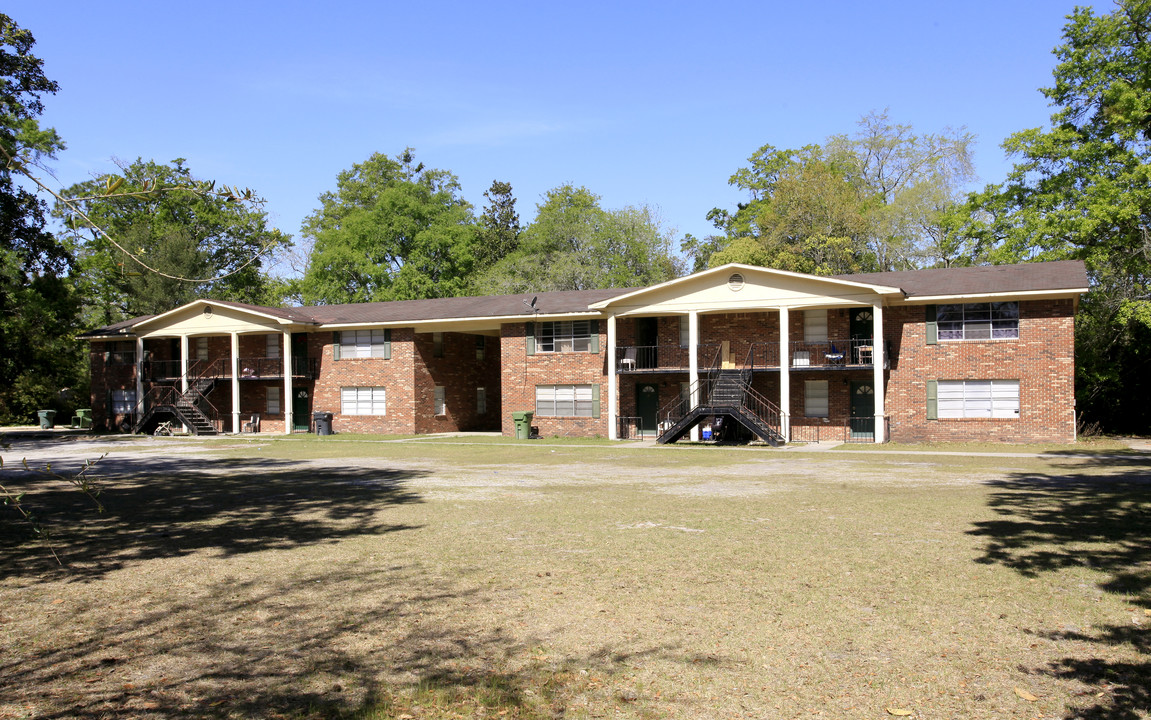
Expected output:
{"points": [[371, 579]]}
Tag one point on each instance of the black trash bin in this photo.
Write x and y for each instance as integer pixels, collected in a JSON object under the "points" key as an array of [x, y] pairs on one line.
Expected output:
{"points": [[323, 422]]}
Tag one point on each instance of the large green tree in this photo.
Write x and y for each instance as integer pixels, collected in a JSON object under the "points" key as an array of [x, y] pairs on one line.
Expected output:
{"points": [[1081, 188], [38, 354], [162, 239], [875, 200], [575, 244], [499, 231], [391, 230]]}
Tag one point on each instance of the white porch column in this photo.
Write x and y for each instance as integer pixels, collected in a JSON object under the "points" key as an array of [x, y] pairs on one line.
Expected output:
{"points": [[612, 382], [693, 365], [139, 406], [236, 427], [286, 401], [878, 360], [784, 375], [183, 363], [184, 369]]}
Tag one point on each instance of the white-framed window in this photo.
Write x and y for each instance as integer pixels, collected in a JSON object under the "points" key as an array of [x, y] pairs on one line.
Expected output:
{"points": [[363, 401], [437, 345], [565, 336], [123, 401], [272, 345], [978, 399], [684, 330], [815, 325], [978, 321], [566, 400], [364, 344], [441, 407], [201, 348], [481, 401], [815, 398], [272, 401]]}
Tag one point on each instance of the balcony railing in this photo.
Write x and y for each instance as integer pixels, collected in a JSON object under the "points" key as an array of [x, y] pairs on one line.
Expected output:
{"points": [[659, 358], [852, 354], [250, 368]]}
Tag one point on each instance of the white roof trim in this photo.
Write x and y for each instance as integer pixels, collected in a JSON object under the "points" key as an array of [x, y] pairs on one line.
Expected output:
{"points": [[471, 319], [926, 299], [220, 303], [879, 289]]}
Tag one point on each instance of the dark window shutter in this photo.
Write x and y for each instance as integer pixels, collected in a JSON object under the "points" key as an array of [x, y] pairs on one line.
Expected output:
{"points": [[594, 325], [336, 345], [932, 327], [530, 338], [932, 400], [595, 391]]}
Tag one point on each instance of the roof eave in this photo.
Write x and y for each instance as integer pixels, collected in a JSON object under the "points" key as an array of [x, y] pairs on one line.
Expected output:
{"points": [[878, 289], [1060, 293]]}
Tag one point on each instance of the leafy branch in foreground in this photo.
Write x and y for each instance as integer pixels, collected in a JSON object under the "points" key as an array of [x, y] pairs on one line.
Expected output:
{"points": [[73, 208], [79, 480]]}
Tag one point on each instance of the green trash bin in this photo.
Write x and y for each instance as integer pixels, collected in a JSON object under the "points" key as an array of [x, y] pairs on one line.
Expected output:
{"points": [[47, 419], [82, 418], [523, 421]]}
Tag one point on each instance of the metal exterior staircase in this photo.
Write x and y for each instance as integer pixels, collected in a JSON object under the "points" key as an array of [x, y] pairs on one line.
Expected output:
{"points": [[190, 408], [727, 394]]}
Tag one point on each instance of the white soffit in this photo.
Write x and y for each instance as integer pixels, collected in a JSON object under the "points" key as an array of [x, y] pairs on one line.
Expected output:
{"points": [[204, 317], [756, 288]]}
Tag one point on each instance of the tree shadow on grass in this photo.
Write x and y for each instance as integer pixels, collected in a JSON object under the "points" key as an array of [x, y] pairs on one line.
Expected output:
{"points": [[1096, 514], [373, 640], [167, 506]]}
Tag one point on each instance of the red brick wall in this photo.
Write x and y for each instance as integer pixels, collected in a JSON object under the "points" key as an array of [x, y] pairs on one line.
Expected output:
{"points": [[395, 374], [667, 388], [522, 372], [459, 372], [1042, 360], [107, 377]]}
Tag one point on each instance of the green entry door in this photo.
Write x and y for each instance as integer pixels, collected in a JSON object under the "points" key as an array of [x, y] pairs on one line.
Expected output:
{"points": [[647, 405], [862, 411], [301, 409]]}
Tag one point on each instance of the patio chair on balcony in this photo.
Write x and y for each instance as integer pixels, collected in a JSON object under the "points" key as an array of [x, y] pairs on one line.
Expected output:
{"points": [[833, 356], [627, 362]]}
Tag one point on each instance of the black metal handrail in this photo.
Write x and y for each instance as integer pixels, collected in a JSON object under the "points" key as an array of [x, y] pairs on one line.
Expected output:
{"points": [[636, 358], [676, 409], [624, 425], [204, 405], [169, 395], [755, 404]]}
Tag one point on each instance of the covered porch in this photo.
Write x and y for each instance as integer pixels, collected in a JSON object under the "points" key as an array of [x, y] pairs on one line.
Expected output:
{"points": [[217, 368], [721, 332]]}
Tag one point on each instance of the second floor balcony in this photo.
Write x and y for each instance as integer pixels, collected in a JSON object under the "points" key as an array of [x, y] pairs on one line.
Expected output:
{"points": [[250, 368], [837, 354]]}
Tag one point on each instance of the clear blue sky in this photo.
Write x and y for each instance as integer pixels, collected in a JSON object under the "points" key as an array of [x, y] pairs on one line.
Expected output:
{"points": [[641, 102]]}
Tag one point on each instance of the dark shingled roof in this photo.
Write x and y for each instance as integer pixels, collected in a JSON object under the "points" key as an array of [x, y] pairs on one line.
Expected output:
{"points": [[547, 303], [981, 279], [565, 301], [1062, 275], [124, 327]]}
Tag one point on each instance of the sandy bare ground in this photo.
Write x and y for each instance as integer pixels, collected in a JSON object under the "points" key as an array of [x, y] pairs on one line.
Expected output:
{"points": [[298, 580]]}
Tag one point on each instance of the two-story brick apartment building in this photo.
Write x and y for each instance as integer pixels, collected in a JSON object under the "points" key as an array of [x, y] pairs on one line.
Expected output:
{"points": [[947, 354]]}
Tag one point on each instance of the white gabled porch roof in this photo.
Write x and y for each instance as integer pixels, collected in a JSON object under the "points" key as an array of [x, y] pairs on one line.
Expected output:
{"points": [[756, 288], [216, 317]]}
